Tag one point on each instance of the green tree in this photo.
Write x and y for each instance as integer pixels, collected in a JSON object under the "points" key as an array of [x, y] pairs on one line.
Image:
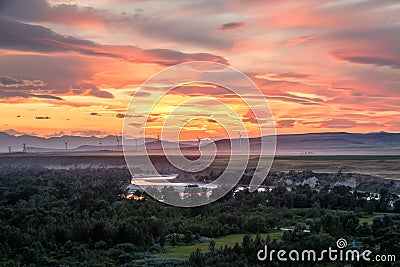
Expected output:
{"points": [[396, 206], [211, 246], [174, 240]]}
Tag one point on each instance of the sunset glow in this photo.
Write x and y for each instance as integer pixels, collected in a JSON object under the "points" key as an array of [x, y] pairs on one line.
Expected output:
{"points": [[323, 66]]}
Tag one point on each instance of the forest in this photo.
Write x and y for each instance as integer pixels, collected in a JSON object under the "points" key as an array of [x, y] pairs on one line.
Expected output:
{"points": [[81, 217]]}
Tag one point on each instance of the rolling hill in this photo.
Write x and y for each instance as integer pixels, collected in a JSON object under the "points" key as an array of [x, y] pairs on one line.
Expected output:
{"points": [[337, 143]]}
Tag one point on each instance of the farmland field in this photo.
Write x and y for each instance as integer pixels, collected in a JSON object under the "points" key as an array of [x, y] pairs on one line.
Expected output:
{"points": [[387, 167], [183, 251]]}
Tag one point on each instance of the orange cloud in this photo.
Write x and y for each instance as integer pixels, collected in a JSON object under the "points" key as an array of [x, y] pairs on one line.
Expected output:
{"points": [[321, 65]]}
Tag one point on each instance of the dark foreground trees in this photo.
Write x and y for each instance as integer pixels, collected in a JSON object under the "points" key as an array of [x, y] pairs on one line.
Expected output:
{"points": [[79, 218]]}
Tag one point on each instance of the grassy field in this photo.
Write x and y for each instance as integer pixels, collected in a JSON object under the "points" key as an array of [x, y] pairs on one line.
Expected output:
{"points": [[377, 165], [368, 220], [384, 166], [371, 218], [387, 167], [183, 251]]}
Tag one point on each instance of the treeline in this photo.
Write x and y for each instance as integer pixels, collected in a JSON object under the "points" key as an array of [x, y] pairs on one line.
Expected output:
{"points": [[382, 238], [80, 218]]}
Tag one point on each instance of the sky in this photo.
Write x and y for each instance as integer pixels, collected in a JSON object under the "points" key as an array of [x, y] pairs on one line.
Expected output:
{"points": [[72, 67]]}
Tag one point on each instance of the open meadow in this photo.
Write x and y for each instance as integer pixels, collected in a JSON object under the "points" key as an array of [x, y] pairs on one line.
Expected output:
{"points": [[382, 166]]}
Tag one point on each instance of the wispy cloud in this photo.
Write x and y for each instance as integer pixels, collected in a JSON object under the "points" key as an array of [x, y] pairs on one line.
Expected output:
{"points": [[299, 40], [321, 65], [232, 26]]}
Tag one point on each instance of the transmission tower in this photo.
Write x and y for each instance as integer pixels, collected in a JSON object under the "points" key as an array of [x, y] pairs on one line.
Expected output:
{"points": [[198, 141], [118, 143]]}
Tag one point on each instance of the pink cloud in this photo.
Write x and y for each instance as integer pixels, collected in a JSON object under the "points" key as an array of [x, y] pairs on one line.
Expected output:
{"points": [[299, 40]]}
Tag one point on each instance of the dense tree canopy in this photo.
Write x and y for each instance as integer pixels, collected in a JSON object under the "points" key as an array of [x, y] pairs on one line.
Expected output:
{"points": [[80, 217]]}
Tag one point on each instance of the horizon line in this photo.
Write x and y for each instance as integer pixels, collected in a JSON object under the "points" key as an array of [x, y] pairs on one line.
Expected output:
{"points": [[191, 140]]}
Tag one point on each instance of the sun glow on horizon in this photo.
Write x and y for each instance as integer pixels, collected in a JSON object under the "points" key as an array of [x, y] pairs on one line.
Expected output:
{"points": [[322, 67]]}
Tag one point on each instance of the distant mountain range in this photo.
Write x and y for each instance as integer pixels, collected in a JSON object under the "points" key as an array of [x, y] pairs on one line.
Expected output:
{"points": [[313, 143]]}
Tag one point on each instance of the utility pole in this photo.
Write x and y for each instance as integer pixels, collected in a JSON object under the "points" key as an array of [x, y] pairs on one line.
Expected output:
{"points": [[100, 143], [66, 145], [9, 150], [23, 148]]}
